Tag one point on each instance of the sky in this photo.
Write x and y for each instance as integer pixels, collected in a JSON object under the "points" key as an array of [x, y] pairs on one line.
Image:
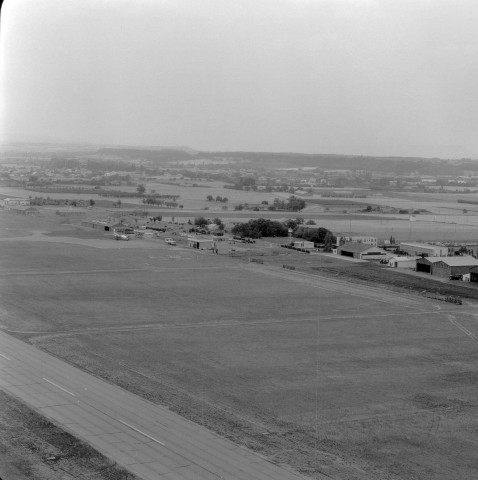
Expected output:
{"points": [[364, 77]]}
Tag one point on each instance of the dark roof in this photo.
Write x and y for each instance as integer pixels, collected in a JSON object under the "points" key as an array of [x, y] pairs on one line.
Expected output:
{"points": [[430, 259], [358, 247]]}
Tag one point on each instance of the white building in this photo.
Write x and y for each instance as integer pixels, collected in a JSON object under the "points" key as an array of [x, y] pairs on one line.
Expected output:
{"points": [[424, 249], [304, 244], [403, 262], [344, 238], [16, 202]]}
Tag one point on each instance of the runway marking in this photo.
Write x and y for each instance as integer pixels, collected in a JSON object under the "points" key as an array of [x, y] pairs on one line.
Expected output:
{"points": [[151, 268], [229, 323], [58, 386], [4, 356], [142, 433], [455, 322]]}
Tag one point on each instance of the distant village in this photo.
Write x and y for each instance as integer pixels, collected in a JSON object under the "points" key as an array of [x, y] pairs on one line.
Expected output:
{"points": [[31, 171]]}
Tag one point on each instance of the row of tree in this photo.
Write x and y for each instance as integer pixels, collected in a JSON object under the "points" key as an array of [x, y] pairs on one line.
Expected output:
{"points": [[292, 203], [39, 201], [150, 200], [210, 198]]}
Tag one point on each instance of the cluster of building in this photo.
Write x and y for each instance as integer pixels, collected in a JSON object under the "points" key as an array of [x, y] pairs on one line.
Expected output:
{"points": [[436, 260], [19, 205]]}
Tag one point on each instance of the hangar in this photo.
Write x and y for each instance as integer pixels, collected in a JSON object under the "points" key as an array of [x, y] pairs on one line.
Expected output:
{"points": [[446, 266], [362, 251], [425, 249], [454, 266]]}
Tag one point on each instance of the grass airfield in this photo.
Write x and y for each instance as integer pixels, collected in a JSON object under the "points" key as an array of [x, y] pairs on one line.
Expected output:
{"points": [[327, 376]]}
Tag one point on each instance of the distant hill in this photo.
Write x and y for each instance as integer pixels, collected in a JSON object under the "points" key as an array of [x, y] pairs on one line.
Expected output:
{"points": [[399, 165], [270, 160], [160, 154], [267, 160]]}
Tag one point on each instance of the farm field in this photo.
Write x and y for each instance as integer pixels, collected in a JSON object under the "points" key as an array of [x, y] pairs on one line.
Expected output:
{"points": [[446, 221], [327, 376]]}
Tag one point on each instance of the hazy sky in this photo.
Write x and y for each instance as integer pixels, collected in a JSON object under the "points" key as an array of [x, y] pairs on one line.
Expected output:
{"points": [[389, 77]]}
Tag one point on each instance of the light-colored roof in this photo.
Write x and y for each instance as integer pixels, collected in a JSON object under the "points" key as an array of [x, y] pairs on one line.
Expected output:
{"points": [[459, 261], [420, 245], [196, 239], [402, 258]]}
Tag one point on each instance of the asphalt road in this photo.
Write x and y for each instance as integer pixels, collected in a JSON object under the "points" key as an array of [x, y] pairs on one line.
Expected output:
{"points": [[145, 438]]}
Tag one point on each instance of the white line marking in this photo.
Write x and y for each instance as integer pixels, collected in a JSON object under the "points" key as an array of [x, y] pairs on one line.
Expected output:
{"points": [[58, 386], [142, 433], [4, 356], [462, 328]]}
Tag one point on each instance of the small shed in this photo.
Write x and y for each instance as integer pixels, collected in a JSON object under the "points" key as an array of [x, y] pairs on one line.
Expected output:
{"points": [[201, 243], [401, 261], [109, 227]]}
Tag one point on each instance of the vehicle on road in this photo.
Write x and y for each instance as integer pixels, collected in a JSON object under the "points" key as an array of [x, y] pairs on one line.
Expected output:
{"points": [[170, 241]]}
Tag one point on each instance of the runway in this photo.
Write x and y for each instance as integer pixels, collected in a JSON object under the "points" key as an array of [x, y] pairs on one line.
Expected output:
{"points": [[147, 439]]}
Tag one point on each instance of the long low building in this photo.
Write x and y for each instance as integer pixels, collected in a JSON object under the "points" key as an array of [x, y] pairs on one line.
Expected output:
{"points": [[304, 244], [24, 210], [348, 238], [362, 251], [447, 266], [424, 249]]}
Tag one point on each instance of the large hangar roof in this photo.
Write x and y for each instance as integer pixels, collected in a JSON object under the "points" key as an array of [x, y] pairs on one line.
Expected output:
{"points": [[463, 261]]}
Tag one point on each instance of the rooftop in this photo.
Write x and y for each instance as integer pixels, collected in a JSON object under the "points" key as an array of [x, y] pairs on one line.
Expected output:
{"points": [[459, 261], [358, 247], [422, 245]]}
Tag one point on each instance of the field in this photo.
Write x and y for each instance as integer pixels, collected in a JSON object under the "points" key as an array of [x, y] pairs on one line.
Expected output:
{"points": [[445, 222], [328, 376]]}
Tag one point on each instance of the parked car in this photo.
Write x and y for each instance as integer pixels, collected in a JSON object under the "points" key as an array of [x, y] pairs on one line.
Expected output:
{"points": [[170, 241], [456, 277], [121, 236]]}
